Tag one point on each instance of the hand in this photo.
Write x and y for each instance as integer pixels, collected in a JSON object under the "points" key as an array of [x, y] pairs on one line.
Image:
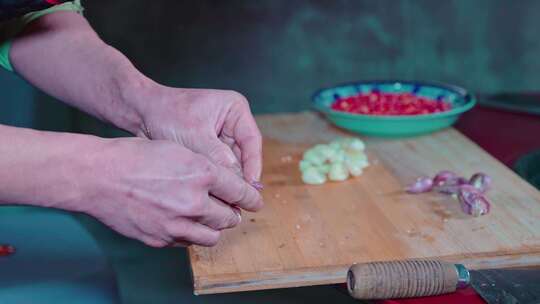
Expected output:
{"points": [[161, 193], [215, 123]]}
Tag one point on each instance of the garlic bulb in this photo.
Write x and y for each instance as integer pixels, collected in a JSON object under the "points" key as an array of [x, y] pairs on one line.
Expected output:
{"points": [[335, 161]]}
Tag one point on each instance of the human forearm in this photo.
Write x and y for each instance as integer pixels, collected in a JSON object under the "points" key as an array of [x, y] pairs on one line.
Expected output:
{"points": [[62, 55], [154, 191], [43, 168]]}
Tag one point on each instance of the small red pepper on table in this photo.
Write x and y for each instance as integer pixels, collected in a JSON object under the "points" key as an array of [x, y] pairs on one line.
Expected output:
{"points": [[6, 250]]}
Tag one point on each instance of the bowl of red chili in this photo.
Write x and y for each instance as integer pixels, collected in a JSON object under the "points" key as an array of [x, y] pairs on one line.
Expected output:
{"points": [[393, 108]]}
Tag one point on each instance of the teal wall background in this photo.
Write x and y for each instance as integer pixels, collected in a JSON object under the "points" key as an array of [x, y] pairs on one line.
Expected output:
{"points": [[279, 52]]}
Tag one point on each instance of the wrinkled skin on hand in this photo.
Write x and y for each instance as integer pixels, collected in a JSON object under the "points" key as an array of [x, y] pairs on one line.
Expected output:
{"points": [[215, 123], [162, 193]]}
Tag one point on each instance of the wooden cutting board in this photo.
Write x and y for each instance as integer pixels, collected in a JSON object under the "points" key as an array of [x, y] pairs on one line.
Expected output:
{"points": [[309, 235]]}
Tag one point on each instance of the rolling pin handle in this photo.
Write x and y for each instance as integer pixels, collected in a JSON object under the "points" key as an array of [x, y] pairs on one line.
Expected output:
{"points": [[405, 279]]}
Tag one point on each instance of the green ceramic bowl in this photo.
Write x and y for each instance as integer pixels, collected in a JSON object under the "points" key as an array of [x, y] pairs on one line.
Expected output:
{"points": [[395, 126]]}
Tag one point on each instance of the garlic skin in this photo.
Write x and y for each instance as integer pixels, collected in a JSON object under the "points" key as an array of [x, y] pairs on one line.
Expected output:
{"points": [[422, 184], [335, 161], [480, 181], [473, 201], [443, 177], [312, 176], [470, 193]]}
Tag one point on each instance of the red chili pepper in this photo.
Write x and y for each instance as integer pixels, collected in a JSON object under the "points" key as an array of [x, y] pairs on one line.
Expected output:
{"points": [[377, 103], [6, 250]]}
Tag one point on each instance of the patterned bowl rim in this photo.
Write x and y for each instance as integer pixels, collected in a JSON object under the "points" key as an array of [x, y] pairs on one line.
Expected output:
{"points": [[469, 100]]}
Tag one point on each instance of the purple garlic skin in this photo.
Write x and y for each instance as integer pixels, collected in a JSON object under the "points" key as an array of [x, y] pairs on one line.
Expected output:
{"points": [[470, 192], [451, 186], [257, 185], [480, 181], [443, 176], [422, 184], [473, 201]]}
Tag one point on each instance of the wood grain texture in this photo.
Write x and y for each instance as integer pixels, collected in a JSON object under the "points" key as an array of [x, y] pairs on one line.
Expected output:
{"points": [[309, 235]]}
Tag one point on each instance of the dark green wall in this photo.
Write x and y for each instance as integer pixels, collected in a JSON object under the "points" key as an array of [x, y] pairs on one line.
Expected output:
{"points": [[279, 52]]}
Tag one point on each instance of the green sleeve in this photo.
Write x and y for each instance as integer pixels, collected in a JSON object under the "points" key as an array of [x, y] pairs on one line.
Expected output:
{"points": [[12, 28]]}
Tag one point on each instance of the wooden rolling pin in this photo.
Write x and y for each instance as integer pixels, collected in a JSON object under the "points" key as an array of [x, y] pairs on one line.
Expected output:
{"points": [[405, 279]]}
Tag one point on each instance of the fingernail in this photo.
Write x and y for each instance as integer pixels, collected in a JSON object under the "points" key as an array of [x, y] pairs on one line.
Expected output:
{"points": [[238, 213], [257, 185], [239, 218]]}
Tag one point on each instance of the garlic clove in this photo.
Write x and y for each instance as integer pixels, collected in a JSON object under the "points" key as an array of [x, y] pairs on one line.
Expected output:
{"points": [[312, 176], [324, 168], [342, 142], [355, 169], [422, 184], [335, 145], [480, 181], [338, 157], [450, 186], [356, 158], [356, 145], [304, 164], [338, 172], [314, 156], [324, 151], [336, 161], [473, 201], [443, 177]]}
